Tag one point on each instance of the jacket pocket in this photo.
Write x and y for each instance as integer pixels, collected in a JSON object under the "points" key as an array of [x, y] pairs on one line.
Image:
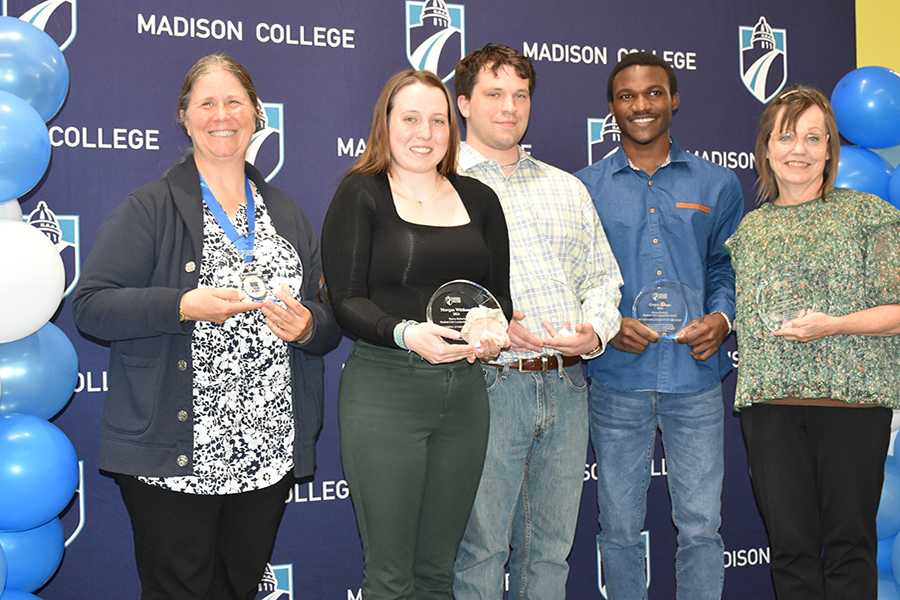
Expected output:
{"points": [[133, 390]]}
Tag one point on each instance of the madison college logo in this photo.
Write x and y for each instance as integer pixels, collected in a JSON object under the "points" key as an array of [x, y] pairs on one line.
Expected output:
{"points": [[56, 18], [601, 583], [277, 583], [262, 155], [763, 59], [435, 36], [64, 232], [602, 131]]}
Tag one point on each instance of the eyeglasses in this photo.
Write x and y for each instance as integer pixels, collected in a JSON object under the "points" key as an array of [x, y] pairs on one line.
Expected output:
{"points": [[813, 142]]}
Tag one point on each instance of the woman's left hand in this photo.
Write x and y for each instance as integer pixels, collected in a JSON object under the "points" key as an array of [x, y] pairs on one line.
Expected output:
{"points": [[807, 326], [291, 321]]}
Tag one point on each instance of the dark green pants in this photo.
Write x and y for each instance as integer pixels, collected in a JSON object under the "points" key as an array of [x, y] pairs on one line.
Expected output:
{"points": [[413, 439]]}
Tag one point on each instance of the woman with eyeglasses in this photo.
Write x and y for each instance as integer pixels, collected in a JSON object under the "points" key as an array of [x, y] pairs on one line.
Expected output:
{"points": [[818, 311]]}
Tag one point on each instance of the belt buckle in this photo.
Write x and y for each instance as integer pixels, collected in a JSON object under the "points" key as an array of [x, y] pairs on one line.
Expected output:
{"points": [[545, 363]]}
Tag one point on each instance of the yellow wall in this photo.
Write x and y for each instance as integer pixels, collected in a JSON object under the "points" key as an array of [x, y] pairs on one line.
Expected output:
{"points": [[878, 33]]}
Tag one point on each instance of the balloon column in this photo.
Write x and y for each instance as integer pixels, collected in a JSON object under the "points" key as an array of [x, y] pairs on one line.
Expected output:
{"points": [[866, 105], [38, 365]]}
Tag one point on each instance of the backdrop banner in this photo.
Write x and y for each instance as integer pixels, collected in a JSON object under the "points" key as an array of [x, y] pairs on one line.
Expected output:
{"points": [[319, 67]]}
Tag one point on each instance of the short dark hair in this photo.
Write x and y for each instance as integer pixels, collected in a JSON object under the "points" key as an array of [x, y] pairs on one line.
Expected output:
{"points": [[492, 57], [642, 58]]}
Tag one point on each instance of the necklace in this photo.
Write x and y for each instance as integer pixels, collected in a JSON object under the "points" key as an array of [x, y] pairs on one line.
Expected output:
{"points": [[509, 165], [437, 187]]}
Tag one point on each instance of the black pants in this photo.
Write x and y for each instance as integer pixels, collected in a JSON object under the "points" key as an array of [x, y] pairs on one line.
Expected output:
{"points": [[817, 475], [193, 547]]}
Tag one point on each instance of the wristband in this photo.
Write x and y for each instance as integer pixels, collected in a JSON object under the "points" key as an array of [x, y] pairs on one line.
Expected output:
{"points": [[727, 320], [400, 333]]}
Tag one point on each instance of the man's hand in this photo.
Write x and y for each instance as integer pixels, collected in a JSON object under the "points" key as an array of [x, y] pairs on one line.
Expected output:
{"points": [[522, 340], [633, 337], [583, 341], [704, 335]]}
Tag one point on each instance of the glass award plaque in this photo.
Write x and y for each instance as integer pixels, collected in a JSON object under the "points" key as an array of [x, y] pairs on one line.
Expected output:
{"points": [[469, 309], [274, 263], [559, 305], [786, 290], [666, 307]]}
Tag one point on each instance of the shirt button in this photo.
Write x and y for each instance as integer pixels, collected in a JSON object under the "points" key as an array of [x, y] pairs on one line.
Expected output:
{"points": [[182, 365], [190, 266], [182, 460], [652, 211], [659, 273], [182, 415], [650, 182], [655, 241]]}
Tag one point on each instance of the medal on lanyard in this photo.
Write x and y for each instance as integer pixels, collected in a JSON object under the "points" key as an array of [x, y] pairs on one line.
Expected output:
{"points": [[251, 283]]}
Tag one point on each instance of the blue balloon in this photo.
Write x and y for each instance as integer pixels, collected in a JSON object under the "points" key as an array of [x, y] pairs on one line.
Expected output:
{"points": [[38, 472], [887, 587], [24, 147], [38, 373], [887, 521], [866, 103], [895, 557], [864, 171], [33, 555], [32, 67], [894, 189], [2, 570], [891, 466], [883, 557], [893, 461], [17, 595]]}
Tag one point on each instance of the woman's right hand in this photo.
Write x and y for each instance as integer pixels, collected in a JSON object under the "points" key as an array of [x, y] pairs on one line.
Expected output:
{"points": [[425, 340], [214, 304]]}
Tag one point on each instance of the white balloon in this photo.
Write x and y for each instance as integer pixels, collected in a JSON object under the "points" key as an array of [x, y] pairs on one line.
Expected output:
{"points": [[895, 427], [32, 280], [11, 210]]}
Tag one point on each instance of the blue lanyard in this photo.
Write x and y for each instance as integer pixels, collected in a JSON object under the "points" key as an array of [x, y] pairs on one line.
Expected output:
{"points": [[244, 244]]}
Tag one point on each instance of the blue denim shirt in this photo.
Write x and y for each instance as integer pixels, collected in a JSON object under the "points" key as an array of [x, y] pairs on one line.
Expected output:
{"points": [[669, 226]]}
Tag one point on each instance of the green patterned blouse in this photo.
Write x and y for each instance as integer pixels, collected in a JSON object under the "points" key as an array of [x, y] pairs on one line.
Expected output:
{"points": [[844, 254]]}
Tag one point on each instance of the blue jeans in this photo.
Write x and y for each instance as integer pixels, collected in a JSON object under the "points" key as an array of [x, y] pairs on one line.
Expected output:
{"points": [[530, 489], [623, 429]]}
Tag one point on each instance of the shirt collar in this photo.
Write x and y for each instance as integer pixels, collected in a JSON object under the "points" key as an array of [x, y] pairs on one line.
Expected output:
{"points": [[676, 155], [470, 157]]}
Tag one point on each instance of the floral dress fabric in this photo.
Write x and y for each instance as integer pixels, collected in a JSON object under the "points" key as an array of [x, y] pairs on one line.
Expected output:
{"points": [[243, 419], [843, 255]]}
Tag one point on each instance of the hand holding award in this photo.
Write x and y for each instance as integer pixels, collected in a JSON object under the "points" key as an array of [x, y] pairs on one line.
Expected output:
{"points": [[666, 307], [786, 290], [469, 309]]}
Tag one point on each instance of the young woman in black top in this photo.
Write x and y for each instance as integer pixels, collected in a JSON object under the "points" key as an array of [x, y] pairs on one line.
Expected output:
{"points": [[413, 410]]}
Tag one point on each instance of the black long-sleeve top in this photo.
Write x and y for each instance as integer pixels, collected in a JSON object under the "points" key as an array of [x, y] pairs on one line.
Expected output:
{"points": [[380, 269]]}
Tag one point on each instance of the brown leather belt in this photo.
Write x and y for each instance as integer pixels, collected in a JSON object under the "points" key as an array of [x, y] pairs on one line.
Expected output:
{"points": [[543, 363]]}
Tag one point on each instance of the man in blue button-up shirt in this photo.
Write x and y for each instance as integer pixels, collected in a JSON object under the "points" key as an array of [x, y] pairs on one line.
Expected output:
{"points": [[666, 214]]}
